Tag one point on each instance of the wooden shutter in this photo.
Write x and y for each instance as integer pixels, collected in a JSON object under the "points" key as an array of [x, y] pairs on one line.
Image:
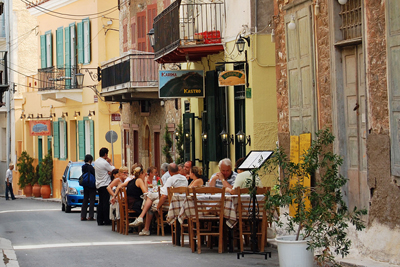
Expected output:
{"points": [[91, 122], [59, 48], [80, 42], [125, 37], [43, 60], [86, 41], [141, 24], [151, 14], [81, 139], [300, 73], [393, 36], [67, 36], [56, 137], [49, 49]]}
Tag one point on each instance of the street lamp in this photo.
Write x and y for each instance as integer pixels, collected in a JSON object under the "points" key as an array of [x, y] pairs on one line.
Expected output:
{"points": [[204, 136], [226, 138], [151, 37], [79, 79], [240, 43], [242, 138]]}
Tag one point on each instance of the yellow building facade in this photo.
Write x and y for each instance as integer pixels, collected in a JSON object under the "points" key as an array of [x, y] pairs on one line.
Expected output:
{"points": [[69, 46]]}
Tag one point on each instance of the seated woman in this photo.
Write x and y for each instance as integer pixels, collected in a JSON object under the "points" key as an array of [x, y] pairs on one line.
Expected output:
{"points": [[119, 178], [135, 189], [195, 175]]}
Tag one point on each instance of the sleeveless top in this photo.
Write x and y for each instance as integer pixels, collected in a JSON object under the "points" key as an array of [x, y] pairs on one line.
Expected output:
{"points": [[133, 191]]}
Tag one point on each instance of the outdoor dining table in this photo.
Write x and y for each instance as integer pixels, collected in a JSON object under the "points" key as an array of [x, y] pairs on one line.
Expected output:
{"points": [[182, 207]]}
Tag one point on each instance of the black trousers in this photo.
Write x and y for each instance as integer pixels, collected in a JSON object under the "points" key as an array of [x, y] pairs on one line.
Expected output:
{"points": [[103, 208], [89, 195], [9, 188]]}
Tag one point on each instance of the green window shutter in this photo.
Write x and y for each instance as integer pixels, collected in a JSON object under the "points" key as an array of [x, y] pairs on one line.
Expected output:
{"points": [[87, 41], [81, 134], [91, 137], [56, 137], [43, 51], [49, 48], [80, 42], [67, 56], [65, 139], [59, 48]]}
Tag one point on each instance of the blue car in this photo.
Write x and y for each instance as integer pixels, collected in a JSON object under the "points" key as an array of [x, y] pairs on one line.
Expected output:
{"points": [[71, 191]]}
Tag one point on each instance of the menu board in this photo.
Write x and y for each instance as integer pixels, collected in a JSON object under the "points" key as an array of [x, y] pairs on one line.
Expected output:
{"points": [[255, 159]]}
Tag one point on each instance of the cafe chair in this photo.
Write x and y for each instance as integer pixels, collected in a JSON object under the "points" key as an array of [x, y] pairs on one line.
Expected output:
{"points": [[245, 218], [160, 216], [184, 227], [125, 214], [207, 211]]}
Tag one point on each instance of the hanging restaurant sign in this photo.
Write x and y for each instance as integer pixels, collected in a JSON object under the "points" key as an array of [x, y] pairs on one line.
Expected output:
{"points": [[40, 127], [181, 83], [231, 77]]}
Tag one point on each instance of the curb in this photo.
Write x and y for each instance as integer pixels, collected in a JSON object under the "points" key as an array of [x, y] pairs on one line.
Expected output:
{"points": [[9, 256]]}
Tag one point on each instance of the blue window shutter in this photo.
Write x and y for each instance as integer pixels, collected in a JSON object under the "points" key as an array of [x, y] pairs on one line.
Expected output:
{"points": [[91, 137], [80, 42], [43, 51], [67, 56], [56, 141], [59, 48], [81, 134], [88, 43]]}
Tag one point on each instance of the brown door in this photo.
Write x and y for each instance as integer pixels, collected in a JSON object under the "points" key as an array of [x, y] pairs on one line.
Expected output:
{"points": [[157, 151], [127, 150], [355, 125], [135, 146]]}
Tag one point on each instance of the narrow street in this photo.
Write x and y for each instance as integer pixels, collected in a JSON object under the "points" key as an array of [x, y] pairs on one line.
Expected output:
{"points": [[43, 235]]}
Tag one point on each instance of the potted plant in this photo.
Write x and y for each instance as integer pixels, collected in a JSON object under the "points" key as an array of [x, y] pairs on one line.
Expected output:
{"points": [[321, 226], [36, 186], [46, 175], [26, 173]]}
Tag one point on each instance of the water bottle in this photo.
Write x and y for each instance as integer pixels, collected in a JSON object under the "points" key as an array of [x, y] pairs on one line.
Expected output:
{"points": [[155, 188]]}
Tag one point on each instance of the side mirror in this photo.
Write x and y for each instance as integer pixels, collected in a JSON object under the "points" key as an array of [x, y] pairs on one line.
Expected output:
{"points": [[64, 178]]}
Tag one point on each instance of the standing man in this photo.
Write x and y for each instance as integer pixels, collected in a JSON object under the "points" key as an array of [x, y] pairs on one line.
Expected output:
{"points": [[225, 177], [103, 169], [9, 176]]}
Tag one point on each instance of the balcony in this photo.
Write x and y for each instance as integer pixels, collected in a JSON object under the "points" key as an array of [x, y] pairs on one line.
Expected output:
{"points": [[187, 31], [59, 84], [133, 76]]}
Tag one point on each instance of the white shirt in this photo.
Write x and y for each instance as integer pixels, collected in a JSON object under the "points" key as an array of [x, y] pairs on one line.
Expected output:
{"points": [[165, 177], [231, 179], [176, 180], [101, 168], [244, 179], [9, 175]]}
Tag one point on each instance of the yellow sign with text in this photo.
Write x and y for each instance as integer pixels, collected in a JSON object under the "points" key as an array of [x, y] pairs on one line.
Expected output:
{"points": [[231, 77]]}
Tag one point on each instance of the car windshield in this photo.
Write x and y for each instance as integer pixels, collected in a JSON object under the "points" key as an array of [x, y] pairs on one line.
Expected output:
{"points": [[75, 172]]}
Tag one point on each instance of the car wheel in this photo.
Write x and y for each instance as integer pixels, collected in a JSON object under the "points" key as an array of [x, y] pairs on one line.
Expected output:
{"points": [[68, 208], [62, 206]]}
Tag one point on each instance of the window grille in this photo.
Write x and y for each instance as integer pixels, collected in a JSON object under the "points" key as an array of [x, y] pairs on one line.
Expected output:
{"points": [[351, 17]]}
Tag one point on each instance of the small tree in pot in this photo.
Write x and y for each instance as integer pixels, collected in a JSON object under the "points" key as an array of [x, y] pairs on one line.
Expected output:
{"points": [[46, 175], [26, 172], [324, 224]]}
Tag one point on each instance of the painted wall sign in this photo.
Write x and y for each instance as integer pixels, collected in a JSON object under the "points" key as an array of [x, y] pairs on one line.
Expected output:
{"points": [[115, 117], [231, 77], [40, 128], [181, 83]]}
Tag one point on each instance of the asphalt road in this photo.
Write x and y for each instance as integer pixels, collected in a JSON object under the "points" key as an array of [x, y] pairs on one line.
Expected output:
{"points": [[43, 235]]}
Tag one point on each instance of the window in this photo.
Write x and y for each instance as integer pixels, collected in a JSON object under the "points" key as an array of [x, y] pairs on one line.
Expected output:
{"points": [[70, 54], [351, 17], [60, 139], [46, 48], [86, 137], [151, 14], [84, 41], [141, 24], [144, 107]]}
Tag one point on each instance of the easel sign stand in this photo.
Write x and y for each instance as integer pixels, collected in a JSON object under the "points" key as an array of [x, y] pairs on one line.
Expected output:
{"points": [[253, 161]]}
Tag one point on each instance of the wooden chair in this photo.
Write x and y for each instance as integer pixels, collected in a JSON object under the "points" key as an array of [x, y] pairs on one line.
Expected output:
{"points": [[183, 226], [245, 219], [160, 217], [207, 211], [125, 214]]}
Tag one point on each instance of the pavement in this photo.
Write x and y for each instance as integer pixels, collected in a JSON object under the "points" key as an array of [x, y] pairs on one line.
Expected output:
{"points": [[10, 258]]}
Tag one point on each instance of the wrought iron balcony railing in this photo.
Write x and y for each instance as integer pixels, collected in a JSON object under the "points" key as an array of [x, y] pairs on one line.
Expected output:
{"points": [[57, 78], [185, 23]]}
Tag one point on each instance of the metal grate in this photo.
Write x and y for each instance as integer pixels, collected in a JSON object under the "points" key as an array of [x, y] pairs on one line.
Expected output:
{"points": [[351, 19]]}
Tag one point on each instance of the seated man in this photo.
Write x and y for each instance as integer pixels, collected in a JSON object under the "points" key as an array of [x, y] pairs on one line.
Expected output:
{"points": [[244, 179], [225, 177], [176, 180], [164, 173]]}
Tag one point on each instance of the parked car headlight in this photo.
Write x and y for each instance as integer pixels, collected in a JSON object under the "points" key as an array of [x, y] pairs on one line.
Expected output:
{"points": [[72, 191]]}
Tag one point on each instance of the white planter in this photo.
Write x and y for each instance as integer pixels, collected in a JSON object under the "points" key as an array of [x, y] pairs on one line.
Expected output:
{"points": [[294, 253]]}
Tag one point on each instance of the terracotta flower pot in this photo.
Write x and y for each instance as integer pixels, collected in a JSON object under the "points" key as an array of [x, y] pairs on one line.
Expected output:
{"points": [[45, 191], [28, 190], [36, 190]]}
